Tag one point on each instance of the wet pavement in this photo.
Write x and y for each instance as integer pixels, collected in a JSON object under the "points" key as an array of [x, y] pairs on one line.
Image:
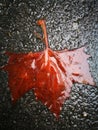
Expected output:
{"points": [[70, 24]]}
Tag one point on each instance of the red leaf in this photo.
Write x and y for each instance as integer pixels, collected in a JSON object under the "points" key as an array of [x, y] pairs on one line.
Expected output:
{"points": [[49, 73]]}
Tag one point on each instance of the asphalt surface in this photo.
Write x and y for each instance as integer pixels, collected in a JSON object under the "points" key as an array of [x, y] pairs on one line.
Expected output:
{"points": [[70, 24]]}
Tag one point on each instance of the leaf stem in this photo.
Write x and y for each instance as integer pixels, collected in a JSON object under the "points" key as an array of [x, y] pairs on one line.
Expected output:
{"points": [[42, 23]]}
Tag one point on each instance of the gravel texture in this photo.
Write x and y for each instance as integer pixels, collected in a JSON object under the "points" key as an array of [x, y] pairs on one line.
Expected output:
{"points": [[70, 24]]}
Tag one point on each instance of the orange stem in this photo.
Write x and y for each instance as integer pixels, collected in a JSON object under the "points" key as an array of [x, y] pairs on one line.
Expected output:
{"points": [[42, 23]]}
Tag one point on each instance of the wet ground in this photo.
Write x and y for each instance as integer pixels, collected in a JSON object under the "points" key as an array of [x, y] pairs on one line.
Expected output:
{"points": [[70, 24]]}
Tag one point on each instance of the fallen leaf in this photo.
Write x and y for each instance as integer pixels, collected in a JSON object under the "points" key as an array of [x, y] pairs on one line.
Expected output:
{"points": [[49, 73]]}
